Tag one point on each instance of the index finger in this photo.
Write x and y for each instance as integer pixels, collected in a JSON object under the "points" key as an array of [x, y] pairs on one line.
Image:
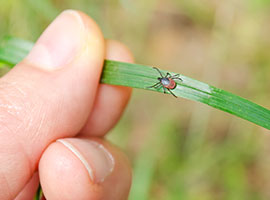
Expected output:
{"points": [[111, 100]]}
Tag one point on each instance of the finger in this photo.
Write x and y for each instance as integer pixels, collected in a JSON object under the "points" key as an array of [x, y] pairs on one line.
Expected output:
{"points": [[84, 169], [47, 96], [29, 189], [111, 100]]}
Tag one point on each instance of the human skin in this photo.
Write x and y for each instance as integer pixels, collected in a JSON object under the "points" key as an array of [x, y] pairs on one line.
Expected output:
{"points": [[54, 114]]}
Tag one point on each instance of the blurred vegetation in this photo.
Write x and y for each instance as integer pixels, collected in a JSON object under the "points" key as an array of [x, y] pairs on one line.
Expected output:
{"points": [[181, 150]]}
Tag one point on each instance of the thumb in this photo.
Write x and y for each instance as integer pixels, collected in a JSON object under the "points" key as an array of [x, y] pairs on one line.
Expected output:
{"points": [[47, 96]]}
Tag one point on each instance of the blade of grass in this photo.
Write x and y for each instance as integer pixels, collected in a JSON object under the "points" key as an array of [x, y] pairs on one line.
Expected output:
{"points": [[143, 176], [14, 50], [38, 195]]}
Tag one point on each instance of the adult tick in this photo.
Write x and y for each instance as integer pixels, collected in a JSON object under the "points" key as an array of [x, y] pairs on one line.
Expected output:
{"points": [[167, 82]]}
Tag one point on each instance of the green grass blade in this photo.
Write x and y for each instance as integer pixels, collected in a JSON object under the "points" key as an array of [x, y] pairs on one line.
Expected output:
{"points": [[139, 76], [14, 50], [38, 195], [143, 176]]}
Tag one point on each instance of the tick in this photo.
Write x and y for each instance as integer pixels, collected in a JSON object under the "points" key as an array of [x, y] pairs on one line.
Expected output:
{"points": [[167, 82]]}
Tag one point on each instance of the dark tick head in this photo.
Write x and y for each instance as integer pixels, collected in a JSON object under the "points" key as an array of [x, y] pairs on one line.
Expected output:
{"points": [[165, 81], [159, 78]]}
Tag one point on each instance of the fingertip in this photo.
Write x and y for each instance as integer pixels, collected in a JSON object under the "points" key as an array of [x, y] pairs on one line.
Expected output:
{"points": [[109, 106], [63, 175], [111, 100], [95, 38], [116, 50], [58, 171]]}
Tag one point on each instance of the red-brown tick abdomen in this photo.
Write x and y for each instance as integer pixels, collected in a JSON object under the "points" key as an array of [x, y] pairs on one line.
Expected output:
{"points": [[172, 84]]}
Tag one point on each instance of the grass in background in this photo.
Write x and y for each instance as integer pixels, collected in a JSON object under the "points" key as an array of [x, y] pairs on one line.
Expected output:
{"points": [[197, 153]]}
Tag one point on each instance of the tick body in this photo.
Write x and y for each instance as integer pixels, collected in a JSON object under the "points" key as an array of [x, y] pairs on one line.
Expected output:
{"points": [[166, 82]]}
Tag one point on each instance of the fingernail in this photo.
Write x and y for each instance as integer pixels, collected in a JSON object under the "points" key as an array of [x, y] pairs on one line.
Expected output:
{"points": [[97, 160], [59, 43]]}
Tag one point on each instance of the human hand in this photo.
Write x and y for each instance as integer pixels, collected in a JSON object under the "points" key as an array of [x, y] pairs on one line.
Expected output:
{"points": [[54, 112]]}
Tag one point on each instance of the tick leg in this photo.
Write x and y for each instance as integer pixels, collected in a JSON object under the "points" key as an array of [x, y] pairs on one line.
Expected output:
{"points": [[168, 75], [158, 71], [176, 76], [154, 86], [158, 86], [172, 93], [164, 89]]}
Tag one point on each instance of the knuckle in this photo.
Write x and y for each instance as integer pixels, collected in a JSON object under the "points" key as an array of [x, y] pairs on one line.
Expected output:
{"points": [[17, 118], [17, 108], [12, 101]]}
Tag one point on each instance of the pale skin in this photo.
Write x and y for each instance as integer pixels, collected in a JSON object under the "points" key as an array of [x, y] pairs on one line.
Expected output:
{"points": [[54, 93]]}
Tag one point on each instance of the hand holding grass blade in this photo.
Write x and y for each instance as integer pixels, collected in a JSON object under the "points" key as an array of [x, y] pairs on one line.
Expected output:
{"points": [[13, 50]]}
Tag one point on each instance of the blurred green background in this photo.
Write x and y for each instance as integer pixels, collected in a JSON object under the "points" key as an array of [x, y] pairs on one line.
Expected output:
{"points": [[181, 149]]}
